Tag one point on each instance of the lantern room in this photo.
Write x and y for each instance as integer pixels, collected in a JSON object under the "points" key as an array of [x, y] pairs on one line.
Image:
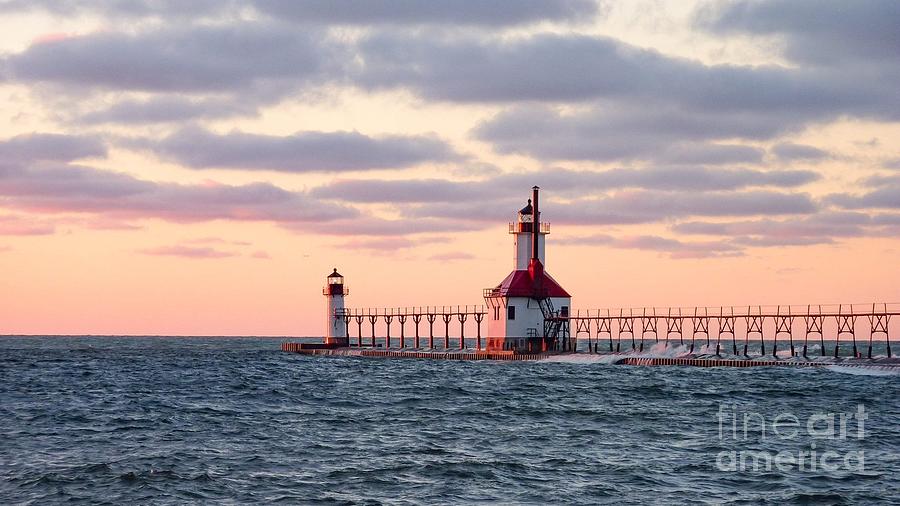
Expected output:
{"points": [[335, 314], [335, 284], [522, 230]]}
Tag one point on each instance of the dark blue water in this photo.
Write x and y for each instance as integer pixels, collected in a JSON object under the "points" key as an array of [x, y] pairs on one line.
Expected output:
{"points": [[182, 420]]}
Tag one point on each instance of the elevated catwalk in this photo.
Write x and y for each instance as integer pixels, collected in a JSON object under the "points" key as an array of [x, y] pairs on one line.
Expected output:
{"points": [[737, 326], [755, 336]]}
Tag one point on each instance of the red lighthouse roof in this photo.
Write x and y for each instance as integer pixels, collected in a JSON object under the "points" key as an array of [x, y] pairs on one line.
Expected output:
{"points": [[520, 284]]}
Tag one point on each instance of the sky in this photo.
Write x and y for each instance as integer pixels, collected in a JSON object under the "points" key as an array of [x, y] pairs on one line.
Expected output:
{"points": [[198, 168]]}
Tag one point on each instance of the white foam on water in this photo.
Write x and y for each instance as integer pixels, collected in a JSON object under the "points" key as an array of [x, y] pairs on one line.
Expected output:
{"points": [[870, 370], [661, 350], [584, 358], [658, 350]]}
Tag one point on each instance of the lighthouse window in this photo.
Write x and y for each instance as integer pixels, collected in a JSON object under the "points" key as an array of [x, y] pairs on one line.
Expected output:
{"points": [[511, 312]]}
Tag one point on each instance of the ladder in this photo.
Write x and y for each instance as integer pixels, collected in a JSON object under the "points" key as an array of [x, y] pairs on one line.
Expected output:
{"points": [[552, 324]]}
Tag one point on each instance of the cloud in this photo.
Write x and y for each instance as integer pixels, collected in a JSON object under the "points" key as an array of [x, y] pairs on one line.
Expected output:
{"points": [[216, 240], [893, 164], [20, 225], [885, 195], [162, 109], [695, 179], [557, 181], [574, 68], [542, 67], [644, 206], [389, 244], [240, 57], [427, 206], [260, 255], [51, 182], [172, 9], [624, 131], [579, 97], [710, 154], [630, 207], [187, 252], [404, 190], [369, 226], [820, 228], [886, 219], [246, 63], [36, 147], [451, 256], [487, 13], [885, 198], [672, 247], [782, 241], [100, 223], [788, 151], [479, 13], [879, 180], [198, 148], [114, 195], [820, 32]]}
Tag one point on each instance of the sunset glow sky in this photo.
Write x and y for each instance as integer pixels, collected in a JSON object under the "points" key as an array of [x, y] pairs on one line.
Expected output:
{"points": [[198, 168]]}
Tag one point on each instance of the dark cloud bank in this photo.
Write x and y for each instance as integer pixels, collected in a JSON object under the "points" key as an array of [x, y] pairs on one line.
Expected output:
{"points": [[564, 97]]}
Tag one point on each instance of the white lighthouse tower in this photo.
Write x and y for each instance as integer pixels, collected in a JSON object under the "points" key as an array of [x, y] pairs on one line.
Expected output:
{"points": [[335, 325], [519, 307]]}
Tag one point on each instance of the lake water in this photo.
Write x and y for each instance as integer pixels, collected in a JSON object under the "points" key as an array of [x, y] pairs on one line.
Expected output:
{"points": [[175, 420]]}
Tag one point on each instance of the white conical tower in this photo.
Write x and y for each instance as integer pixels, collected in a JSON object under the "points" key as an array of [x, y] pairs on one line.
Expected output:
{"points": [[523, 232], [335, 325]]}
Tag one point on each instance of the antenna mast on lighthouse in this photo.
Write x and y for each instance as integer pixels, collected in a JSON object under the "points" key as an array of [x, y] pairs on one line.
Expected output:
{"points": [[535, 267]]}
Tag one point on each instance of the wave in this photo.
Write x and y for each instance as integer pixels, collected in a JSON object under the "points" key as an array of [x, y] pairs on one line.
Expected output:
{"points": [[865, 370]]}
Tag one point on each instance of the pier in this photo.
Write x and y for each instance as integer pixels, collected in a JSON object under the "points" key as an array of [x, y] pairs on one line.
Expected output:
{"points": [[770, 328], [749, 336], [451, 322], [528, 315], [736, 327]]}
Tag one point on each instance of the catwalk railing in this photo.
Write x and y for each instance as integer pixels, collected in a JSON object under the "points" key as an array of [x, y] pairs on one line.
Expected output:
{"points": [[365, 321], [729, 324]]}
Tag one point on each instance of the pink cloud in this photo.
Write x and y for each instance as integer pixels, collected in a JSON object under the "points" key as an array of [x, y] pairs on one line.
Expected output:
{"points": [[119, 196], [262, 255], [105, 224], [187, 252], [451, 256], [674, 248], [388, 244], [217, 240], [17, 225], [51, 37]]}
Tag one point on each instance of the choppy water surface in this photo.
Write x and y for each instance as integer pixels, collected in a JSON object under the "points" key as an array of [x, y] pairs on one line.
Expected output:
{"points": [[175, 420]]}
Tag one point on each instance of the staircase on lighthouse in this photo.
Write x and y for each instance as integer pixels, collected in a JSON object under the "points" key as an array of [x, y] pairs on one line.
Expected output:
{"points": [[521, 308], [335, 325]]}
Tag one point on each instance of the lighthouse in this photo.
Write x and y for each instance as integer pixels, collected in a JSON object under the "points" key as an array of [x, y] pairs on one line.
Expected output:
{"points": [[521, 307], [335, 325]]}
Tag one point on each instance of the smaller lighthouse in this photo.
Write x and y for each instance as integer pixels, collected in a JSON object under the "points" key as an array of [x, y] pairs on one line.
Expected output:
{"points": [[335, 325]]}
